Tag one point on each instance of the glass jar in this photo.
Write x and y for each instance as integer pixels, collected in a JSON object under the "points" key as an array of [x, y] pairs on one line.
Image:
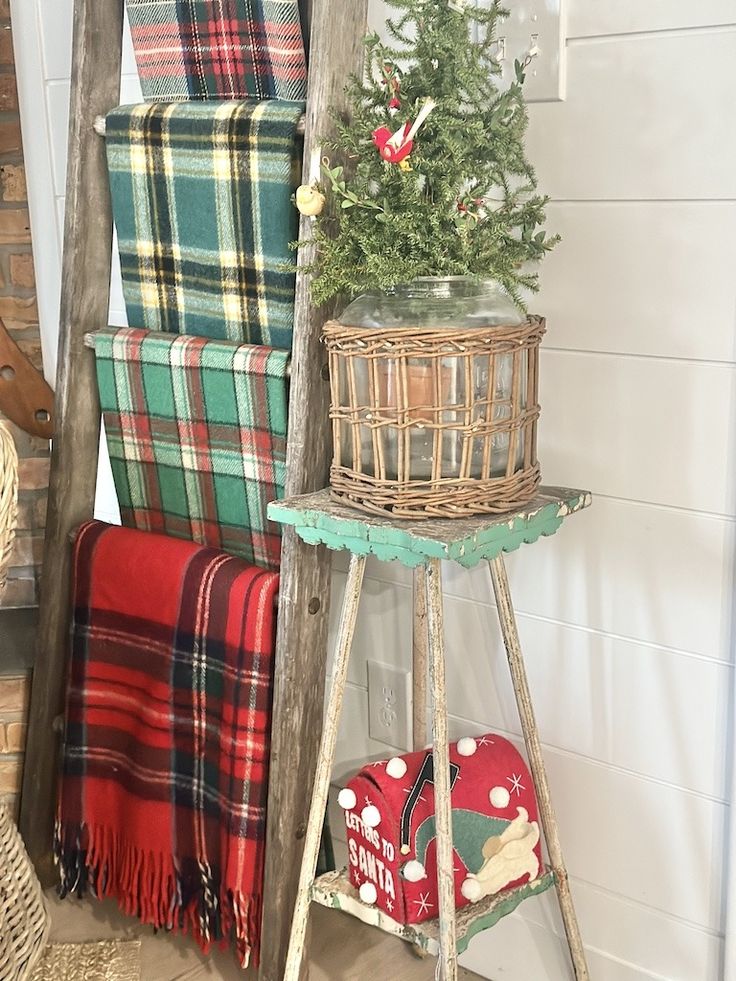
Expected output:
{"points": [[434, 393]]}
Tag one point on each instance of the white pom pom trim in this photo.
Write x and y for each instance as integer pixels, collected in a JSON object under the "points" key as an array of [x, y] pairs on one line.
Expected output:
{"points": [[466, 746], [500, 797], [471, 890], [414, 871], [347, 799], [370, 816], [368, 893], [396, 768]]}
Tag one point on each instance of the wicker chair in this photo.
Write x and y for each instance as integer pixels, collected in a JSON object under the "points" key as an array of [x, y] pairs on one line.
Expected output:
{"points": [[24, 919]]}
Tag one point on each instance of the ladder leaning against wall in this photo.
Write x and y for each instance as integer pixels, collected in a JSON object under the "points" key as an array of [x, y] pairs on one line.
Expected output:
{"points": [[335, 29]]}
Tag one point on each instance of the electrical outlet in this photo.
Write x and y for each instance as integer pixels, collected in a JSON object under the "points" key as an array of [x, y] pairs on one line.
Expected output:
{"points": [[389, 705], [534, 29]]}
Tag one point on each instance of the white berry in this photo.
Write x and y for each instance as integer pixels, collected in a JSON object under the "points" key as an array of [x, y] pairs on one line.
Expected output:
{"points": [[368, 893], [347, 799], [396, 768], [500, 797], [466, 746], [370, 816], [414, 871]]}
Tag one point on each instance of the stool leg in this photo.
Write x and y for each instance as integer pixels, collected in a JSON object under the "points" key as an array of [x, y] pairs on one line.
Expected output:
{"points": [[419, 660], [346, 631], [441, 754], [536, 763]]}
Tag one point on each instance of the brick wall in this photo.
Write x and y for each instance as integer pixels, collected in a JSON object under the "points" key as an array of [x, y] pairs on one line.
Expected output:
{"points": [[19, 311]]}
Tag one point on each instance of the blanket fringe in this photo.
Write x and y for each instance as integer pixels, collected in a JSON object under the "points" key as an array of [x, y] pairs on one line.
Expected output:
{"points": [[156, 890]]}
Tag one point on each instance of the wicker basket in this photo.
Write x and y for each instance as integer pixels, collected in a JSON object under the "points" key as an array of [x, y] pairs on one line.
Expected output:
{"points": [[8, 498], [396, 388], [24, 919]]}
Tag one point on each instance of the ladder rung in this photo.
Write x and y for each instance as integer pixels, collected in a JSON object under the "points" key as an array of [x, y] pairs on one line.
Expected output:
{"points": [[100, 125], [89, 341]]}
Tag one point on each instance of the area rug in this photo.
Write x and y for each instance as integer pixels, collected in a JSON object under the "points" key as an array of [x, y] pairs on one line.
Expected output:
{"points": [[106, 960]]}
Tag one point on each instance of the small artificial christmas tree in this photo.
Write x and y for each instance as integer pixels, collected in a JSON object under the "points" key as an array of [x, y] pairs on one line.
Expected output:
{"points": [[435, 181]]}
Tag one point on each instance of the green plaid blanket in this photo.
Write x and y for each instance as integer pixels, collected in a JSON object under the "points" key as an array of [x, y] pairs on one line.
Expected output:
{"points": [[201, 196], [196, 431]]}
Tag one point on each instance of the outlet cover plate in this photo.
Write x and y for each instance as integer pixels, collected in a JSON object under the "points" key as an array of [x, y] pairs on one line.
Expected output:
{"points": [[538, 23], [389, 705]]}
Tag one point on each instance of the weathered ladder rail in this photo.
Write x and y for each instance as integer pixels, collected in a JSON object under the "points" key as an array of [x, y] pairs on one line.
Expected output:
{"points": [[335, 50], [96, 62]]}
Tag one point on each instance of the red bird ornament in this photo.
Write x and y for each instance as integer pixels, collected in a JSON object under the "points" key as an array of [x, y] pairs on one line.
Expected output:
{"points": [[395, 147]]}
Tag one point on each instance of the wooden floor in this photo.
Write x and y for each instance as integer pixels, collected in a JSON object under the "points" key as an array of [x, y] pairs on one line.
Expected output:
{"points": [[342, 949]]}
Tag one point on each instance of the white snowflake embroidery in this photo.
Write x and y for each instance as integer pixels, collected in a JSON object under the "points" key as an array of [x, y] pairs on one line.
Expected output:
{"points": [[378, 763], [423, 903], [408, 790], [389, 906], [516, 784], [367, 801], [485, 741]]}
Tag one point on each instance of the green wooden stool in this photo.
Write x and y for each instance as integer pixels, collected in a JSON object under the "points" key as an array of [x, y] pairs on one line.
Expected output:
{"points": [[422, 545]]}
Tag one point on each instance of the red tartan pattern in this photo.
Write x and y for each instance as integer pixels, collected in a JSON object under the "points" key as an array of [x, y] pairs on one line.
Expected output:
{"points": [[165, 774], [219, 49], [213, 450]]}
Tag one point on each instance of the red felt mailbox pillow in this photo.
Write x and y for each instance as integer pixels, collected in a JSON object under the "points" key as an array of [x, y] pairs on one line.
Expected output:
{"points": [[389, 813]]}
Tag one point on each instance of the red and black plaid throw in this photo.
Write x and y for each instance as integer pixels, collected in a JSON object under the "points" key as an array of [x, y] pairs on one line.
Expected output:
{"points": [[164, 787]]}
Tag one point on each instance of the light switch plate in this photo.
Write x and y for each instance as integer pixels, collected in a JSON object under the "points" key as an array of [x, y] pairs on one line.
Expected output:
{"points": [[389, 705], [540, 25]]}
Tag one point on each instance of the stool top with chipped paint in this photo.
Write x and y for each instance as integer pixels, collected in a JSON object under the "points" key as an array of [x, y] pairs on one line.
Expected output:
{"points": [[319, 520]]}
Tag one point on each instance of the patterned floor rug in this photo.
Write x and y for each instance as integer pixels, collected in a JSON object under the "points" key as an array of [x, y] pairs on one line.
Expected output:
{"points": [[107, 960]]}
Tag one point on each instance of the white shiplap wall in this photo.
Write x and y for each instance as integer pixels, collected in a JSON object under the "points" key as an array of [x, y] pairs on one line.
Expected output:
{"points": [[627, 613]]}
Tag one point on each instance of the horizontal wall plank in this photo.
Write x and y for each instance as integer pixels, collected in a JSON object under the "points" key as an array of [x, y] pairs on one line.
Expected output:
{"points": [[591, 18], [597, 711], [663, 848], [634, 934], [652, 574], [657, 279], [634, 126], [519, 950], [639, 428]]}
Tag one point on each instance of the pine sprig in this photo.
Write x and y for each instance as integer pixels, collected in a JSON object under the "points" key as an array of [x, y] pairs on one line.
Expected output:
{"points": [[467, 204]]}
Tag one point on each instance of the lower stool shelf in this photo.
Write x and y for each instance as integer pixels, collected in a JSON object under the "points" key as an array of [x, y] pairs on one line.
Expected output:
{"points": [[335, 891]]}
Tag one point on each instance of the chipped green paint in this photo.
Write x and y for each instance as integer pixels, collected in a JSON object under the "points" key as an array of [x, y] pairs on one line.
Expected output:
{"points": [[507, 905], [319, 520], [334, 891]]}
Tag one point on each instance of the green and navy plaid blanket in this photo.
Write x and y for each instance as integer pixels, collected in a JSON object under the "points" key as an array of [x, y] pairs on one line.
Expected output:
{"points": [[196, 431], [218, 49], [201, 196]]}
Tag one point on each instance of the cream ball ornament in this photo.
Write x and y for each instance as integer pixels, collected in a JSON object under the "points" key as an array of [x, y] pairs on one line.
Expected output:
{"points": [[310, 201]]}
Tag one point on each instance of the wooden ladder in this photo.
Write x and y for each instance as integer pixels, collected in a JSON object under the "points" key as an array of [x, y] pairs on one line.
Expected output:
{"points": [[335, 29]]}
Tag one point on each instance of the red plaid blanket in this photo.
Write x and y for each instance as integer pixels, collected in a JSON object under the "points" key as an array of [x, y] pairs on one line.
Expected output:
{"points": [[163, 795]]}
